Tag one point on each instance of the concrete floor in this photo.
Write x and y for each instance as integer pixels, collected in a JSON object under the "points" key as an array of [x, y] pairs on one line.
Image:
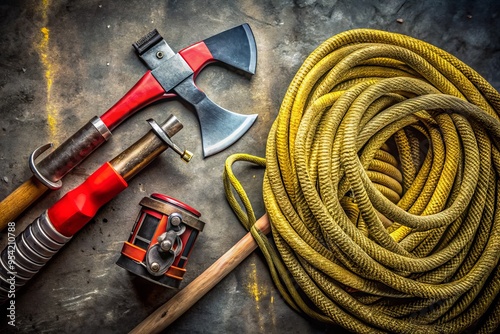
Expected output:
{"points": [[53, 83]]}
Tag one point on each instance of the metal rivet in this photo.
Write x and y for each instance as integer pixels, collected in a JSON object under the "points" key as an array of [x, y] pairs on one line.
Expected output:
{"points": [[176, 220], [159, 55], [155, 267]]}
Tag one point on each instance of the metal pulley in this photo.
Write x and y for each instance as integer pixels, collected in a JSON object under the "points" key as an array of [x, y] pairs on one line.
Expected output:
{"points": [[161, 240]]}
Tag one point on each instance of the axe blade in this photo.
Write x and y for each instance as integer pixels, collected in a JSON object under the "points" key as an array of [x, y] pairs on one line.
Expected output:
{"points": [[220, 128], [235, 47]]}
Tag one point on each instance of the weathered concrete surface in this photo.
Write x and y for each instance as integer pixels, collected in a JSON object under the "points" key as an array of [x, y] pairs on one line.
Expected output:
{"points": [[62, 62]]}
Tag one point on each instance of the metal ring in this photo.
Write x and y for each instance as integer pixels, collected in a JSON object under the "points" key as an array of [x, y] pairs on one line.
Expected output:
{"points": [[46, 182], [101, 127], [44, 237], [36, 244], [49, 229]]}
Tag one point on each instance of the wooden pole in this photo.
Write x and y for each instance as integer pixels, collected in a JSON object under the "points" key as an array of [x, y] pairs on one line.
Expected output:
{"points": [[187, 297], [21, 198]]}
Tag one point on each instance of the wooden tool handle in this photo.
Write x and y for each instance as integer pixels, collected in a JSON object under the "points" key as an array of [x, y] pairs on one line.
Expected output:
{"points": [[20, 199], [187, 297]]}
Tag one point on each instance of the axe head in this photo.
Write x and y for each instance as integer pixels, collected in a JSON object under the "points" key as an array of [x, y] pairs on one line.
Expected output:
{"points": [[235, 47], [220, 128]]}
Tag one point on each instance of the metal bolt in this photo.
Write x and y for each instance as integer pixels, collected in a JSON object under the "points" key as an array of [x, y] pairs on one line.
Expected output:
{"points": [[159, 55], [175, 220], [166, 245], [155, 267]]}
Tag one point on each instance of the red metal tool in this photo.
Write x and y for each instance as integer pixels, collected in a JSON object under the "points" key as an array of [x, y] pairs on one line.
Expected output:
{"points": [[55, 227]]}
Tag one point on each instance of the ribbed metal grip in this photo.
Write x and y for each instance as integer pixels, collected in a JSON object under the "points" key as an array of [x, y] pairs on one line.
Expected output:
{"points": [[34, 247]]}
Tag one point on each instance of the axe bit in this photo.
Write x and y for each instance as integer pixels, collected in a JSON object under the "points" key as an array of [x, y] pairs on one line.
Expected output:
{"points": [[48, 233], [170, 75]]}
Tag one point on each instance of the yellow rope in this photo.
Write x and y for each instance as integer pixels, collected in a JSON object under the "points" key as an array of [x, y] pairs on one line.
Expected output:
{"points": [[381, 187]]}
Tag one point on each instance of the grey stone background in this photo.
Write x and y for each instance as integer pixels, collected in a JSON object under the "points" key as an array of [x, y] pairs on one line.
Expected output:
{"points": [[91, 65]]}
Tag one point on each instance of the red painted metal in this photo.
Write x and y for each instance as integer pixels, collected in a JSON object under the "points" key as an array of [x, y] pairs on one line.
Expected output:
{"points": [[176, 202], [197, 56]]}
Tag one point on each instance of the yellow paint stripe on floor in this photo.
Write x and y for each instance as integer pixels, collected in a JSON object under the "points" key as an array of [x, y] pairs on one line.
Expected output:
{"points": [[253, 286], [44, 53]]}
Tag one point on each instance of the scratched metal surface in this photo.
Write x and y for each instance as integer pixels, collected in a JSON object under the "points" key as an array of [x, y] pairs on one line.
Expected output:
{"points": [[62, 62]]}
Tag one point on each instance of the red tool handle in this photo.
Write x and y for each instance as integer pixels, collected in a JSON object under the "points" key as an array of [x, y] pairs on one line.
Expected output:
{"points": [[147, 90], [77, 207]]}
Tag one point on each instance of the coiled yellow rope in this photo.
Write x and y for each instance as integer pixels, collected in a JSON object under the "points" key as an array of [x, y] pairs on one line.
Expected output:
{"points": [[381, 186]]}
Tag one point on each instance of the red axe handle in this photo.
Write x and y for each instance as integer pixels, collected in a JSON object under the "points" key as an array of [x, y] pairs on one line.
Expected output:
{"points": [[147, 90], [187, 297]]}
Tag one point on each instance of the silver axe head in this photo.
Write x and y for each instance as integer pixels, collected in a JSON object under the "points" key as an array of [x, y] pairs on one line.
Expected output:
{"points": [[235, 47]]}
